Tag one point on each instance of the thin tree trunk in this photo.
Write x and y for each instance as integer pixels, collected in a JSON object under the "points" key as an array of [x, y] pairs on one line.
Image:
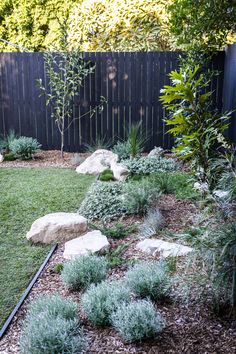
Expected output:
{"points": [[62, 144], [234, 287]]}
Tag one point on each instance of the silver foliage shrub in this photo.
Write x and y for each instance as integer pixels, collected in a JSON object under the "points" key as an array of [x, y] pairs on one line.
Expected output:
{"points": [[137, 321], [52, 326], [80, 272], [147, 165], [149, 279], [152, 223], [55, 335], [53, 305], [24, 147], [99, 301], [103, 201]]}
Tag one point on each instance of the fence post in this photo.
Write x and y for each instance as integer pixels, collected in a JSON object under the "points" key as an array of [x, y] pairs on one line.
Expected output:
{"points": [[229, 88]]}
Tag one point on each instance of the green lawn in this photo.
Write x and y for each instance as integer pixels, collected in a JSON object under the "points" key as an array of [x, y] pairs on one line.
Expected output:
{"points": [[25, 195]]}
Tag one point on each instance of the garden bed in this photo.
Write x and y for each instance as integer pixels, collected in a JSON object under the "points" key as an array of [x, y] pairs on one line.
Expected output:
{"points": [[190, 328]]}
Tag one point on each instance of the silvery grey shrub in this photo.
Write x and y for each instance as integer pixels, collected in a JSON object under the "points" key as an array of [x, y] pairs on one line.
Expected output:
{"points": [[52, 326], [44, 334], [149, 279], [153, 164], [80, 272], [99, 301], [152, 223], [137, 321], [54, 305]]}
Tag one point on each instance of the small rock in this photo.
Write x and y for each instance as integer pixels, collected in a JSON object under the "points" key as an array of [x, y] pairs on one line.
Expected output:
{"points": [[91, 242], [157, 151], [99, 161], [221, 194], [1, 158], [120, 172], [166, 249], [57, 227]]}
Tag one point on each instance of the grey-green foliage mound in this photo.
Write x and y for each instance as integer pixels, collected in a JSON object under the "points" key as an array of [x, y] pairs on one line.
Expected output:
{"points": [[149, 279], [82, 271], [99, 301], [51, 326], [147, 165], [103, 201], [24, 147], [137, 321], [53, 305]]}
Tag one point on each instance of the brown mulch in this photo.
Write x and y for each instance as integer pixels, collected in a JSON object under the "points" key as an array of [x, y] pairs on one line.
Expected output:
{"points": [[49, 158]]}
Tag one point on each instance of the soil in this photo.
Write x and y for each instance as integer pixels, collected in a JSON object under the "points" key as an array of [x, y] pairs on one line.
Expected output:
{"points": [[191, 327], [50, 158]]}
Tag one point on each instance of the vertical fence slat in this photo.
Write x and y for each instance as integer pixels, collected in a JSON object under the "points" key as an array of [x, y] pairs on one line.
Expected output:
{"points": [[131, 83]]}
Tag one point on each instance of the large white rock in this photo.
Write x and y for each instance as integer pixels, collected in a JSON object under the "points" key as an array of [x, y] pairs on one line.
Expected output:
{"points": [[91, 242], [99, 161], [57, 227], [1, 158], [166, 249], [120, 172]]}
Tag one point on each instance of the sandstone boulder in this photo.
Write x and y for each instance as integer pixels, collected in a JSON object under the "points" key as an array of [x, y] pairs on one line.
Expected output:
{"points": [[1, 158], [91, 242], [99, 161], [120, 172], [165, 249], [57, 227]]}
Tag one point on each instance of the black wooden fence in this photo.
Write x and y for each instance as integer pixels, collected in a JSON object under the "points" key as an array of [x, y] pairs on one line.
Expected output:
{"points": [[131, 82]]}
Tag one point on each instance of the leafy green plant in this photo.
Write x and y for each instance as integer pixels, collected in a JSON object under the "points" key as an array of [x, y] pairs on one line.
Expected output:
{"points": [[99, 301], [149, 279], [118, 231], [136, 140], [58, 268], [82, 271], [5, 141], [152, 164], [115, 256], [9, 157], [106, 176], [137, 321], [65, 71], [24, 147], [152, 224], [196, 126]]}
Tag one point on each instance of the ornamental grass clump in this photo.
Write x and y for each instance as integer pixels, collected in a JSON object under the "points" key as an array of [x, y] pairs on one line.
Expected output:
{"points": [[52, 326], [99, 301], [149, 279], [137, 321], [82, 271]]}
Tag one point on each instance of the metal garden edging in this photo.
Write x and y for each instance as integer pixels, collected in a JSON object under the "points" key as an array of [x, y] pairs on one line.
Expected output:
{"points": [[26, 293]]}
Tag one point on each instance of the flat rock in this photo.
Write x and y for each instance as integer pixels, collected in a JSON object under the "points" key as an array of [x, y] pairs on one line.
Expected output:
{"points": [[1, 158], [166, 249], [57, 227], [99, 161], [220, 194], [91, 242]]}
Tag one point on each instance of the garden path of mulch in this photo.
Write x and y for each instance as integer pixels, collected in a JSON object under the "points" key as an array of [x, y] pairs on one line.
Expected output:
{"points": [[190, 328], [49, 158]]}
